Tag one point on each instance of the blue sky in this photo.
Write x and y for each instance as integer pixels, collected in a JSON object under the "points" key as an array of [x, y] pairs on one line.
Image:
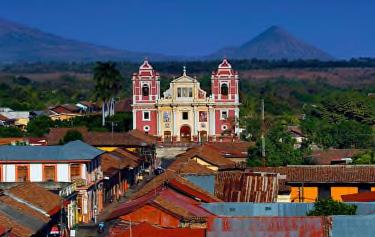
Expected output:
{"points": [[342, 28]]}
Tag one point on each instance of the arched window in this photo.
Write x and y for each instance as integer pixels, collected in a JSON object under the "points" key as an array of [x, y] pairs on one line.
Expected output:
{"points": [[224, 89], [145, 90]]}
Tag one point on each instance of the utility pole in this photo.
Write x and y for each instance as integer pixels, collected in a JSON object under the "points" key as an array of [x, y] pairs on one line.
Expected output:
{"points": [[262, 136]]}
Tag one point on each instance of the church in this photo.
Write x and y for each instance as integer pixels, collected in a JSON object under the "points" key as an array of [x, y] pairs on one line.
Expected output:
{"points": [[185, 112]]}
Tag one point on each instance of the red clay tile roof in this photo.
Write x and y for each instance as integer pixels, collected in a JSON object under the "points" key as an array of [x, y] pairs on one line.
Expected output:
{"points": [[168, 200], [359, 197], [209, 155], [131, 138], [17, 228], [124, 105], [3, 118], [37, 196], [231, 149], [296, 130], [185, 186], [184, 165], [324, 173], [325, 157], [117, 160]]}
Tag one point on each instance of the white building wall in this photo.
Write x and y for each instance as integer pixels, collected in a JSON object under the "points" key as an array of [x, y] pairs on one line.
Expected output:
{"points": [[9, 173], [36, 173], [63, 173]]}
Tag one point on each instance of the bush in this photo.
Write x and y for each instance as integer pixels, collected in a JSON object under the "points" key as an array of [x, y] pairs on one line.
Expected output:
{"points": [[71, 135], [329, 207]]}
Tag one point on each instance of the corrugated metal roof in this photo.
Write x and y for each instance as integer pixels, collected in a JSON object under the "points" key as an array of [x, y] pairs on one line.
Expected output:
{"points": [[206, 182], [353, 226], [238, 186], [268, 227], [76, 150], [274, 209]]}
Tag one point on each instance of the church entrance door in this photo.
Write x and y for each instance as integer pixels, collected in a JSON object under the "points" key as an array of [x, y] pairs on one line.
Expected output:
{"points": [[185, 134], [203, 136], [167, 136]]}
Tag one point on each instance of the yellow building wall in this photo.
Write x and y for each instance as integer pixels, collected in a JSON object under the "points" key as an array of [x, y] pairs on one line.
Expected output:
{"points": [[63, 116], [107, 148], [204, 163], [310, 194], [336, 192]]}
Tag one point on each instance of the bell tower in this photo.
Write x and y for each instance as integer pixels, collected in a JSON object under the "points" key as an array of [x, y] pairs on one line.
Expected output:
{"points": [[146, 92], [225, 94]]}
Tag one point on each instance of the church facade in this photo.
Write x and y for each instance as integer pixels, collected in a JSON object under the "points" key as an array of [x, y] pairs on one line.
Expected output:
{"points": [[185, 112]]}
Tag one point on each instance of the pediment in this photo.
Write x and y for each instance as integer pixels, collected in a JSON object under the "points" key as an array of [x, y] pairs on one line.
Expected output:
{"points": [[184, 79]]}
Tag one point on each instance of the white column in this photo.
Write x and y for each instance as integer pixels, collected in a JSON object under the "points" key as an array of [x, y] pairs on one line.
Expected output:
{"points": [[212, 121], [237, 117], [174, 117], [195, 120], [158, 122], [134, 119]]}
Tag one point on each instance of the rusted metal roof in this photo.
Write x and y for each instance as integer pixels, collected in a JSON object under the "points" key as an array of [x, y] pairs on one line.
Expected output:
{"points": [[238, 186], [268, 226]]}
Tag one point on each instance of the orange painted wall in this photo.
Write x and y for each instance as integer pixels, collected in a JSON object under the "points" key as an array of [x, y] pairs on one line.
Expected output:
{"points": [[336, 192], [372, 189], [310, 194], [152, 215]]}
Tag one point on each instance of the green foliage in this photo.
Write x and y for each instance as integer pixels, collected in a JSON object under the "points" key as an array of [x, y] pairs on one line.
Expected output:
{"points": [[39, 126], [329, 207], [108, 80], [10, 132], [280, 149], [365, 158], [71, 135], [336, 129]]}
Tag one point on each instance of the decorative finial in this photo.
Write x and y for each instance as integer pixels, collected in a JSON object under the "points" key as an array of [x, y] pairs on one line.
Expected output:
{"points": [[184, 70]]}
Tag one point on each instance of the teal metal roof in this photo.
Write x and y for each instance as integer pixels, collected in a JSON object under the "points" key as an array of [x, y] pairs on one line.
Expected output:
{"points": [[76, 150]]}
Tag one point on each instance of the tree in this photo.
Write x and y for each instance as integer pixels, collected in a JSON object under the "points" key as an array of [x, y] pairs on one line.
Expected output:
{"points": [[365, 158], [71, 135], [329, 207], [10, 132], [280, 149], [39, 126], [108, 84]]}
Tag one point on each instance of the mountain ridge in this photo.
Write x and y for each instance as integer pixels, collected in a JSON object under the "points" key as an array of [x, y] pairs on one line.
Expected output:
{"points": [[20, 43]]}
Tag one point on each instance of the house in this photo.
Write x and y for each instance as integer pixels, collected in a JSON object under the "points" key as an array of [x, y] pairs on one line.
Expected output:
{"points": [[19, 119], [88, 107], [332, 156], [207, 156], [168, 201], [121, 169], [235, 151], [29, 210], [64, 112], [308, 183], [75, 162]]}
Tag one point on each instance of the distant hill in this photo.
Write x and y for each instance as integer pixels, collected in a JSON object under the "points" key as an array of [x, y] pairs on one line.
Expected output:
{"points": [[22, 43], [19, 43], [274, 43]]}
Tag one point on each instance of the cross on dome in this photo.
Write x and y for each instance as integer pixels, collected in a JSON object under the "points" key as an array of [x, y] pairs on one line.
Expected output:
{"points": [[184, 70]]}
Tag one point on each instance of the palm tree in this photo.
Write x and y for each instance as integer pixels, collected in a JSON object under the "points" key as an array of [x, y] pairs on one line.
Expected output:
{"points": [[108, 84]]}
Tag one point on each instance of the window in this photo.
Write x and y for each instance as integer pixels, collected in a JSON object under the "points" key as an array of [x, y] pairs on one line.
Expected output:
{"points": [[49, 173], [224, 114], [146, 128], [224, 127], [184, 92], [224, 89], [75, 171], [22, 173], [185, 115], [146, 115], [145, 90]]}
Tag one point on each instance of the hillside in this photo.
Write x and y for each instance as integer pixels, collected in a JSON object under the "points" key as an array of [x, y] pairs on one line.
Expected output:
{"points": [[274, 43], [22, 43]]}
